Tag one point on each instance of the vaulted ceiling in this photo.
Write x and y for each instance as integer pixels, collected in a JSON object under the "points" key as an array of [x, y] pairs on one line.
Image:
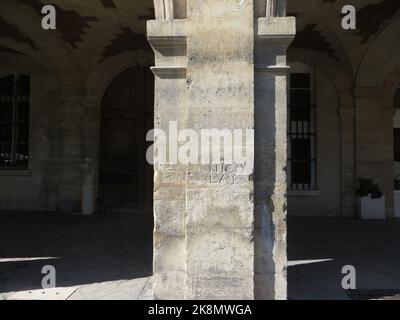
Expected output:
{"points": [[319, 26], [88, 31], [91, 31]]}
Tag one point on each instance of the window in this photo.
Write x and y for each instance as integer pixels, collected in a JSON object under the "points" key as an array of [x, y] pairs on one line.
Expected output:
{"points": [[14, 121], [301, 133]]}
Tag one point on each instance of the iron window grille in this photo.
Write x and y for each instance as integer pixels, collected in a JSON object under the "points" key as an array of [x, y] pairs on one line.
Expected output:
{"points": [[302, 160], [14, 121]]}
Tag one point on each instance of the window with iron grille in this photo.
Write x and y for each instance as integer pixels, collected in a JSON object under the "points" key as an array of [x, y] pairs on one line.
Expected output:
{"points": [[301, 133], [14, 121]]}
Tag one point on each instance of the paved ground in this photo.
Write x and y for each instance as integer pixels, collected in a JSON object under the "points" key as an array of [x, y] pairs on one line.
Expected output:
{"points": [[96, 257], [320, 247], [110, 256]]}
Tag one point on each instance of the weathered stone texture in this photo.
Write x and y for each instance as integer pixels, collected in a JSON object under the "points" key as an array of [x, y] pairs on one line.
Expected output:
{"points": [[232, 226], [219, 225]]}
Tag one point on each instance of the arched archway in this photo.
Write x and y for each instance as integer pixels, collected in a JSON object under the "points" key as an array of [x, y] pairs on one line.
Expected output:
{"points": [[376, 80], [125, 177], [314, 144]]}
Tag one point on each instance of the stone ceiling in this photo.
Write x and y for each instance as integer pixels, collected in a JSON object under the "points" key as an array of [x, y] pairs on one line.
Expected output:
{"points": [[319, 27], [90, 30], [93, 30]]}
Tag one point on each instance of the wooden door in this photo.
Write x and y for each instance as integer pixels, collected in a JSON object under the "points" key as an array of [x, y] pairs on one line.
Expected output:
{"points": [[126, 179]]}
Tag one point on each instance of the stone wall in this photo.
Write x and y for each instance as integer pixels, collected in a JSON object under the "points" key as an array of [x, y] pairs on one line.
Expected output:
{"points": [[24, 189]]}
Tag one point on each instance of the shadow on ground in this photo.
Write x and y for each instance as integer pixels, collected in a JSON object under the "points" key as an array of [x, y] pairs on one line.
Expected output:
{"points": [[318, 248], [83, 249], [90, 250]]}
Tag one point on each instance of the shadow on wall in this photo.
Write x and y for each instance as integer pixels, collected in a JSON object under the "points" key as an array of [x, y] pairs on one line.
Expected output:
{"points": [[265, 117], [83, 249]]}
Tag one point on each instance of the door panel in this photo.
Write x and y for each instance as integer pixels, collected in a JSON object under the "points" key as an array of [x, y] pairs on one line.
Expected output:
{"points": [[127, 115], [121, 181]]}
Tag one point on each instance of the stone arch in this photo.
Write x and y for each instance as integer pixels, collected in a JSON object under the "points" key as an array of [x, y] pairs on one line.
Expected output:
{"points": [[48, 47], [338, 73], [381, 58], [11, 62], [96, 85], [374, 90], [99, 79], [76, 102], [342, 80]]}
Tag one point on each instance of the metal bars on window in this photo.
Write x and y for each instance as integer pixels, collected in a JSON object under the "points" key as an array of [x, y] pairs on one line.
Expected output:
{"points": [[14, 121], [301, 134]]}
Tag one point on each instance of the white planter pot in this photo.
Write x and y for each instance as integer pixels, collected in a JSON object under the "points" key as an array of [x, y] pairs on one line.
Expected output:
{"points": [[371, 209]]}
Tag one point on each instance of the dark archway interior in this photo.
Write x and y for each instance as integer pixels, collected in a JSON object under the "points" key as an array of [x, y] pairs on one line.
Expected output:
{"points": [[125, 177]]}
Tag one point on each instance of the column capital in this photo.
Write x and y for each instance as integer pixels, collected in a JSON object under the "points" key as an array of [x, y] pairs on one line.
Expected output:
{"points": [[276, 30], [273, 37], [174, 29], [168, 40]]}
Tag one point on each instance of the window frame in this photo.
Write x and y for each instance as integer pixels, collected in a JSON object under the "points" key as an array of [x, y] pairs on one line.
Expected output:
{"points": [[311, 188], [15, 169]]}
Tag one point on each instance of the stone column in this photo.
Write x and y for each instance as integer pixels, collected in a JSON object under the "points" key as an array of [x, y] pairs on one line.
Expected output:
{"points": [[374, 141], [274, 35], [219, 197], [168, 39], [220, 230]]}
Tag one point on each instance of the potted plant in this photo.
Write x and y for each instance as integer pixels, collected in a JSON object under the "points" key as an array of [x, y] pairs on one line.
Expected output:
{"points": [[371, 201]]}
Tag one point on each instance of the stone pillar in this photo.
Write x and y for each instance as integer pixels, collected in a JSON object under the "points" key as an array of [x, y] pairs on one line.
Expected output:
{"points": [[168, 39], [220, 230], [274, 35], [348, 178], [219, 198], [374, 141]]}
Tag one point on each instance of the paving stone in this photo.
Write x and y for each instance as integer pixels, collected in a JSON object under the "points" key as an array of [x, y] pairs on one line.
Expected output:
{"points": [[44, 294]]}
